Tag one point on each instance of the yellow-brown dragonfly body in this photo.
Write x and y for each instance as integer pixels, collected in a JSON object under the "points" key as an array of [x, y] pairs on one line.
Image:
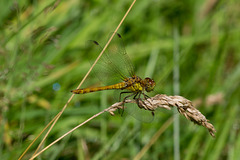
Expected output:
{"points": [[133, 84]]}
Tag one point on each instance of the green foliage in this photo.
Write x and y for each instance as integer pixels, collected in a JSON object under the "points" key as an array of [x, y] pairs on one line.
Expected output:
{"points": [[42, 58], [176, 12]]}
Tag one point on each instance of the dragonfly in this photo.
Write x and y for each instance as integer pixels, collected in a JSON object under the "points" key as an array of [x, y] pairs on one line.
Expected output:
{"points": [[116, 66]]}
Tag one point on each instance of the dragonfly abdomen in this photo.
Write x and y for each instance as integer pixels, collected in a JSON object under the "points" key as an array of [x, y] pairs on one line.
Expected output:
{"points": [[121, 85]]}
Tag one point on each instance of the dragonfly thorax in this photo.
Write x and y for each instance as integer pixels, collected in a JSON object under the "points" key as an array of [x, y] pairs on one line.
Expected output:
{"points": [[136, 84]]}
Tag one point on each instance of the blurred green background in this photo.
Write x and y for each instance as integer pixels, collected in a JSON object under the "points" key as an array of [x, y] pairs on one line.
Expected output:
{"points": [[42, 59]]}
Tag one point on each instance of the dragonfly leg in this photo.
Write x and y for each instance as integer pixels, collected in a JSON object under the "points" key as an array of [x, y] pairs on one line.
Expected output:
{"points": [[153, 114], [147, 108], [145, 105], [124, 99], [137, 94], [138, 99], [121, 95], [146, 98], [121, 98]]}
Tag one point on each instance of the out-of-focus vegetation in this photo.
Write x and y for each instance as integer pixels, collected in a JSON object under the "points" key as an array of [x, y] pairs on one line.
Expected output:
{"points": [[42, 58]]}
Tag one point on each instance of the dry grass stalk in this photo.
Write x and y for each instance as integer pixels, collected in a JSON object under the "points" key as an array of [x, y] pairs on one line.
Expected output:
{"points": [[69, 100], [184, 107], [208, 7]]}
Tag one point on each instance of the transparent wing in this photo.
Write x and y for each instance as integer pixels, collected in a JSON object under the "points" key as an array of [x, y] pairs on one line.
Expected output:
{"points": [[139, 113], [118, 55], [114, 65]]}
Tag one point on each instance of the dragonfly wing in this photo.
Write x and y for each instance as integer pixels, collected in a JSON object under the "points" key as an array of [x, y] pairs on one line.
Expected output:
{"points": [[114, 65], [118, 56], [104, 69], [139, 113]]}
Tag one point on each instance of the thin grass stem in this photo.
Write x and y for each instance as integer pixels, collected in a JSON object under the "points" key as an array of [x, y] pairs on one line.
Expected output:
{"points": [[176, 91]]}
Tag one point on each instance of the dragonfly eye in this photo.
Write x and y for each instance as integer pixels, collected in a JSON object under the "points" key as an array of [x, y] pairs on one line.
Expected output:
{"points": [[149, 84]]}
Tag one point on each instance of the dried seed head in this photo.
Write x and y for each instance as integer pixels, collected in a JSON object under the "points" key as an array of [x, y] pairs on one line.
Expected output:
{"points": [[184, 107]]}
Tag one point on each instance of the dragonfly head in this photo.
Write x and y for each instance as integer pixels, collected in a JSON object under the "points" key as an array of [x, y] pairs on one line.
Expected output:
{"points": [[149, 84]]}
